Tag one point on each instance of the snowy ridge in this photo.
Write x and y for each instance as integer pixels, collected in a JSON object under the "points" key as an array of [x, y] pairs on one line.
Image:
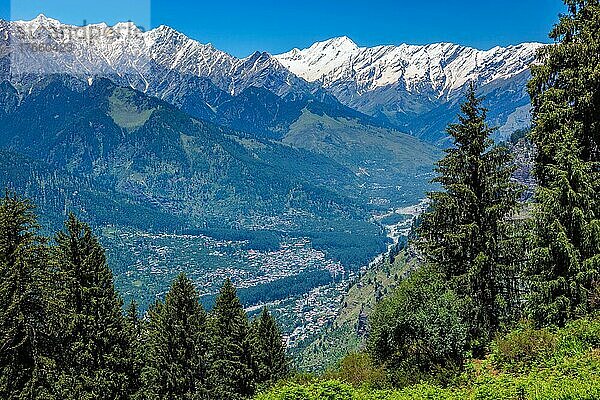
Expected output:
{"points": [[443, 67], [415, 88], [125, 51], [418, 88]]}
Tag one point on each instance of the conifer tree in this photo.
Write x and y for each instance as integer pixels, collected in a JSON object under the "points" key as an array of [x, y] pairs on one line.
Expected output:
{"points": [[466, 234], [176, 346], [268, 349], [133, 324], [132, 316], [231, 373], [565, 92], [95, 346], [25, 346]]}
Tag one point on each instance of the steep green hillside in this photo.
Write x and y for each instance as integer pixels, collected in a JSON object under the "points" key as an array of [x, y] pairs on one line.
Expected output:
{"points": [[144, 148], [137, 168], [56, 192], [348, 332], [394, 168]]}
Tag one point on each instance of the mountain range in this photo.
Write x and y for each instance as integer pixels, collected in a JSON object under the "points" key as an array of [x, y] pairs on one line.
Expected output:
{"points": [[155, 132], [414, 89], [413, 86]]}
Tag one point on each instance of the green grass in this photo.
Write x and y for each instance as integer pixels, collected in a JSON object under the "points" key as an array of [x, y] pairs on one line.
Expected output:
{"points": [[124, 113], [526, 363]]}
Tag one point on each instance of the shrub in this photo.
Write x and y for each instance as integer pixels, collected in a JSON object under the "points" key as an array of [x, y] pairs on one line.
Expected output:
{"points": [[333, 390], [522, 346], [418, 332], [357, 369], [526, 347], [302, 378], [325, 390], [579, 336], [290, 391]]}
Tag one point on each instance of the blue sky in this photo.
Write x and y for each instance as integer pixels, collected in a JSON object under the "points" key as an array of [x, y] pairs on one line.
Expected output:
{"points": [[240, 27]]}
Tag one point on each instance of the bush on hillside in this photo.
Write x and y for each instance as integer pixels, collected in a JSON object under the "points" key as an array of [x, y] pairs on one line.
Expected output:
{"points": [[358, 369], [522, 346], [418, 333], [568, 369], [526, 346]]}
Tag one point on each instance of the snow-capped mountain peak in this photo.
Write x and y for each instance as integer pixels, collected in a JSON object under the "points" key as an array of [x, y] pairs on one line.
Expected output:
{"points": [[395, 83], [338, 43], [134, 57], [41, 19], [442, 66], [38, 23], [320, 59]]}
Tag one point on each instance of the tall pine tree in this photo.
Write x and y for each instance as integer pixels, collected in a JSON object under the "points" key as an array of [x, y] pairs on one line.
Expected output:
{"points": [[270, 361], [175, 365], [466, 235], [231, 372], [95, 345], [25, 343], [565, 93], [133, 323]]}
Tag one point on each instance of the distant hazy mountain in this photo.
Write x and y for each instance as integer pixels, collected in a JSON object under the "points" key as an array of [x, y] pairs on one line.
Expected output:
{"points": [[419, 87]]}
